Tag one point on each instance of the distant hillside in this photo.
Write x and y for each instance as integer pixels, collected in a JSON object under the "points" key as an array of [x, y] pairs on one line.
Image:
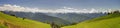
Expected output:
{"points": [[108, 21], [76, 17], [7, 21]]}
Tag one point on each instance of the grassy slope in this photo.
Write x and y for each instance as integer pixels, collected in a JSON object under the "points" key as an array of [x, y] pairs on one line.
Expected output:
{"points": [[14, 22], [108, 21], [2, 26]]}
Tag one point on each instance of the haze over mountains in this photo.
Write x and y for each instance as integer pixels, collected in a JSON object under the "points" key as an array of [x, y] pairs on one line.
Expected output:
{"points": [[59, 13], [64, 15], [75, 18], [8, 7]]}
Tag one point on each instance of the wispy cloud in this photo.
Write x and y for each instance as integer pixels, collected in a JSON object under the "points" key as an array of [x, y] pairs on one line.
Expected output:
{"points": [[8, 7]]}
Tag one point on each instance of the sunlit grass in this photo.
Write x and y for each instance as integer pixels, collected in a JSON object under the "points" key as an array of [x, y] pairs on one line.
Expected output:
{"points": [[22, 23], [108, 21]]}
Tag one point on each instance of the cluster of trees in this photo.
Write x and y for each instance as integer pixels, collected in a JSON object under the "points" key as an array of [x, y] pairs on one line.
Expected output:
{"points": [[53, 25]]}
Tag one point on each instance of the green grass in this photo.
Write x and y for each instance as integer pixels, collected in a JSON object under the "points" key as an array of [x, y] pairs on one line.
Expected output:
{"points": [[19, 23], [2, 26], [108, 21]]}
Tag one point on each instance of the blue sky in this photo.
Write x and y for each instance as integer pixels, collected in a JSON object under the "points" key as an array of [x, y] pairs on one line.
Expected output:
{"points": [[52, 4]]}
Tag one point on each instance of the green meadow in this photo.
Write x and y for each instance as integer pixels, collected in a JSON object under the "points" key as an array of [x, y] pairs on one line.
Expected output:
{"points": [[108, 21], [7, 21]]}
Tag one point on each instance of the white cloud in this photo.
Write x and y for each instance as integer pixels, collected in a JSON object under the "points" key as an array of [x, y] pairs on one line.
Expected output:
{"points": [[8, 7]]}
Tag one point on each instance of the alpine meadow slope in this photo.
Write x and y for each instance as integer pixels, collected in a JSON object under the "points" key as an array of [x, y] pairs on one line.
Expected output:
{"points": [[109, 21], [7, 21]]}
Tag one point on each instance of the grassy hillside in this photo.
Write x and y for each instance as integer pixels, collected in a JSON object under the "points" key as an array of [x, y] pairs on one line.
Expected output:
{"points": [[7, 21], [2, 26], [108, 21]]}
